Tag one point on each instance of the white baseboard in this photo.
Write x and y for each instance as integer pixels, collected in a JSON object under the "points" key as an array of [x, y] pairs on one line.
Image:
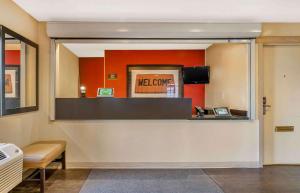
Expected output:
{"points": [[160, 165]]}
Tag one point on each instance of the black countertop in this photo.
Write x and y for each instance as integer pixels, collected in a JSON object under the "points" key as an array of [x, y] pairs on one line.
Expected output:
{"points": [[130, 108], [213, 117]]}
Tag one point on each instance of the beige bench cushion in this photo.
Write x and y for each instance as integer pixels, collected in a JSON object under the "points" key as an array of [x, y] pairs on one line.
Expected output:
{"points": [[42, 153]]}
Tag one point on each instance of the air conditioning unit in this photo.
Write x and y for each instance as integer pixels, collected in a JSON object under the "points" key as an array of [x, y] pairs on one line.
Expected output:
{"points": [[11, 167]]}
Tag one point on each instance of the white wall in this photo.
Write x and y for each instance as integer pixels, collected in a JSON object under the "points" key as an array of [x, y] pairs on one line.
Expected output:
{"points": [[156, 143], [145, 143], [19, 129], [229, 76]]}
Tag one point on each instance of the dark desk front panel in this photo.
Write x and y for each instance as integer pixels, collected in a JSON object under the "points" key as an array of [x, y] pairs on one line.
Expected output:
{"points": [[122, 108]]}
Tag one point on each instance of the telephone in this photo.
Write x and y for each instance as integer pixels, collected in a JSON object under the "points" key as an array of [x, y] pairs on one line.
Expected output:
{"points": [[199, 111]]}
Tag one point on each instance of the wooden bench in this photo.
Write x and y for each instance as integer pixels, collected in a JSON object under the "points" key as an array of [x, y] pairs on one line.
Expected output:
{"points": [[40, 154]]}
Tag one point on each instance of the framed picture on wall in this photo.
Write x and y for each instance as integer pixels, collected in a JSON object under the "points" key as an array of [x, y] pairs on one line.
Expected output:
{"points": [[154, 81], [12, 86]]}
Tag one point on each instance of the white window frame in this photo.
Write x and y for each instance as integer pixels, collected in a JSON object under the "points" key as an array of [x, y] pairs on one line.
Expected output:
{"points": [[251, 62]]}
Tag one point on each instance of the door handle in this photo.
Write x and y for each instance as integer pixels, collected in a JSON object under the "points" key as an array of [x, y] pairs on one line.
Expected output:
{"points": [[265, 105]]}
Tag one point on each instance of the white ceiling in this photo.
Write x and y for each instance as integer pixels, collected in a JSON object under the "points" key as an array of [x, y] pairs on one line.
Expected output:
{"points": [[97, 50], [164, 10]]}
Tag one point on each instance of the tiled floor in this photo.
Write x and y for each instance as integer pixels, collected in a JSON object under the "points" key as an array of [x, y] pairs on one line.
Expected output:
{"points": [[59, 181], [270, 179]]}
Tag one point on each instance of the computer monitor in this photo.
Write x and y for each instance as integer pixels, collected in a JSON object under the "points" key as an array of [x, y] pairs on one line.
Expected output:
{"points": [[105, 92]]}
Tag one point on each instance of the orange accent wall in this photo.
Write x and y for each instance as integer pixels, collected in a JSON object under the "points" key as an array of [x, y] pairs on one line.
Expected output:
{"points": [[91, 74], [12, 57], [116, 61]]}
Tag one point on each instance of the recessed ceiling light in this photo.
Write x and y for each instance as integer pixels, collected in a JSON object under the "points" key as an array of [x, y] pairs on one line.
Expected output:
{"points": [[238, 41], [256, 31], [123, 30], [196, 30]]}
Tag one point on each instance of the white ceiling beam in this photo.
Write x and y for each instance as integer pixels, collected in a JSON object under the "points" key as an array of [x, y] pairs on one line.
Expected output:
{"points": [[152, 30]]}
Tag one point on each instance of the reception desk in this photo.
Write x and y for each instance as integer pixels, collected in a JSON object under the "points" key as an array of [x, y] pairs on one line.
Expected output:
{"points": [[122, 108]]}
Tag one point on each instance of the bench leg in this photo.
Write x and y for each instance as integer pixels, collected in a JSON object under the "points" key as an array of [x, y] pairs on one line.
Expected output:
{"points": [[63, 161], [42, 179]]}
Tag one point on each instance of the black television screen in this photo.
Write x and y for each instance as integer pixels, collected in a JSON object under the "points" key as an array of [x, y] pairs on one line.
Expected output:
{"points": [[196, 75]]}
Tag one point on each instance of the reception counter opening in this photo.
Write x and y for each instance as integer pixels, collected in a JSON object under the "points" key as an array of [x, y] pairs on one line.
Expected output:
{"points": [[146, 81]]}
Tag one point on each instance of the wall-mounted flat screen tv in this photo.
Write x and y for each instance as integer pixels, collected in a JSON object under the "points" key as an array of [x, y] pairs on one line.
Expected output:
{"points": [[196, 75]]}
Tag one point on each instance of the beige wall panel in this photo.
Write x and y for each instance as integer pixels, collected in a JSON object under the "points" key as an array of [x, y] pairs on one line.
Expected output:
{"points": [[229, 76], [19, 129], [281, 29], [16, 19], [67, 73], [30, 76]]}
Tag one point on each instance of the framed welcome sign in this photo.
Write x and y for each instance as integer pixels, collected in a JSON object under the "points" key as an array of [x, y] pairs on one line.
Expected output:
{"points": [[155, 81]]}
